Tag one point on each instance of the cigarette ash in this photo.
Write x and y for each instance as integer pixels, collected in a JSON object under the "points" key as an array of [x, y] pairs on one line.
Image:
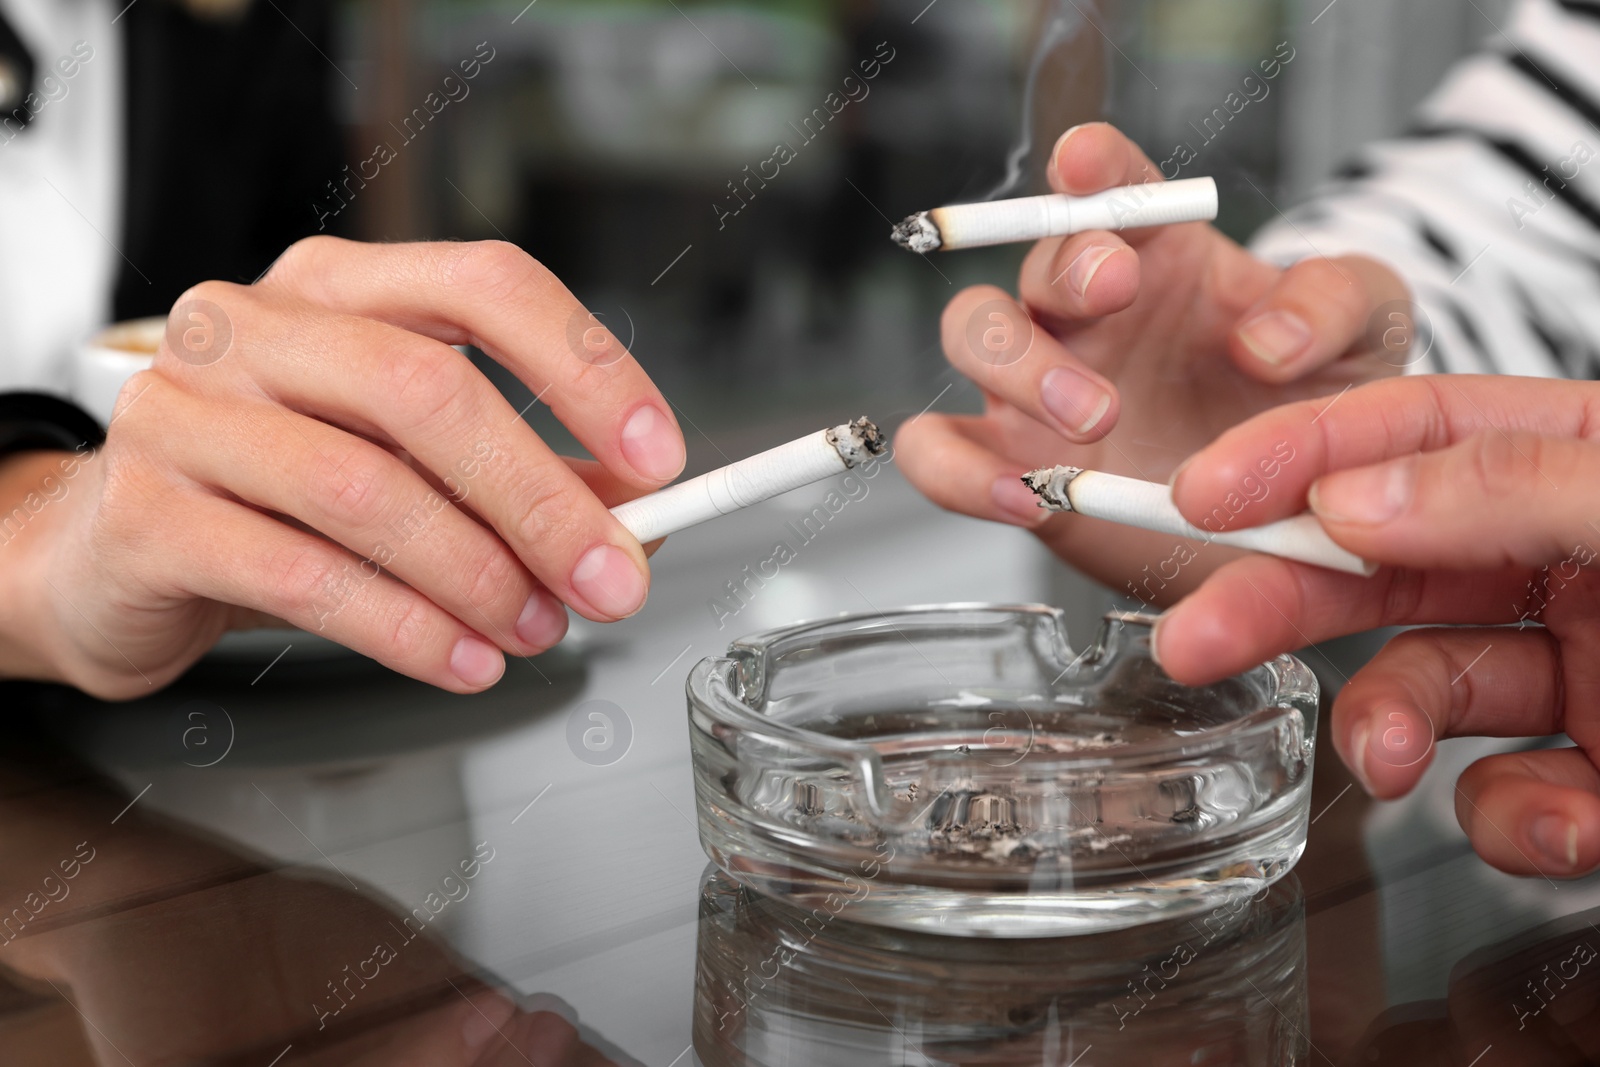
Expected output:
{"points": [[858, 441], [917, 233], [1049, 484]]}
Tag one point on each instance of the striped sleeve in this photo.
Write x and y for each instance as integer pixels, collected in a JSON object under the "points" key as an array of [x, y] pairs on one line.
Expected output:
{"points": [[1489, 206]]}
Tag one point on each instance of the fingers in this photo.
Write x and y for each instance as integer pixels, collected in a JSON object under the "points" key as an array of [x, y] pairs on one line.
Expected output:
{"points": [[1095, 273], [494, 295], [1084, 276], [942, 455], [1369, 424], [364, 498], [990, 338], [1261, 606], [1318, 311], [1096, 156], [1427, 685], [239, 556], [1496, 498], [423, 396], [1533, 812]]}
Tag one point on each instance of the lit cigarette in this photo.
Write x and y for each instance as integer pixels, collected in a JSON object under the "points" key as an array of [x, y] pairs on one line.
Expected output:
{"points": [[750, 481], [1149, 506], [1032, 218]]}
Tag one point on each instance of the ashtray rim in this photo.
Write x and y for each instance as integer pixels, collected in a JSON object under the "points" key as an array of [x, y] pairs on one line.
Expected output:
{"points": [[1289, 681]]}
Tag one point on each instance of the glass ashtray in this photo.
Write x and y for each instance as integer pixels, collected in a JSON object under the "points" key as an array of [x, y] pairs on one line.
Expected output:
{"points": [[958, 769]]}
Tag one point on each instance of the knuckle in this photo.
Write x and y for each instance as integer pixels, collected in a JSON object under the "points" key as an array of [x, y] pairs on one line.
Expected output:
{"points": [[495, 576], [494, 268], [133, 406], [299, 258], [1323, 282], [307, 581], [428, 383], [1403, 596], [410, 627], [352, 487], [1500, 465], [545, 512]]}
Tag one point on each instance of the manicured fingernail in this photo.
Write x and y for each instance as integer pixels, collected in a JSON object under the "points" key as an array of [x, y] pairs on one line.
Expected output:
{"points": [[483, 1018], [1366, 495], [1556, 839], [477, 662], [653, 445], [1358, 754], [543, 621], [1019, 504], [1276, 336], [608, 579], [1076, 402], [1083, 269]]}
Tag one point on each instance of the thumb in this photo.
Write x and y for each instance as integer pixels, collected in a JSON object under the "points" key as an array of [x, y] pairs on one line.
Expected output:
{"points": [[1320, 310], [1495, 499]]}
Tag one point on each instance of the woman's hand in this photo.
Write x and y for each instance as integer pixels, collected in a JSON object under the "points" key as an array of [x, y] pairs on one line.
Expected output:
{"points": [[312, 449], [1128, 353], [1482, 496]]}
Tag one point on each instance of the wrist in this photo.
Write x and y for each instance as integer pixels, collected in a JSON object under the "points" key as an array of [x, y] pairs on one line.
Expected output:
{"points": [[34, 487]]}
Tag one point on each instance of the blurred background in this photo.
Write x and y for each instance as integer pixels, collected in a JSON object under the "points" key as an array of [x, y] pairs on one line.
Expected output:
{"points": [[624, 143]]}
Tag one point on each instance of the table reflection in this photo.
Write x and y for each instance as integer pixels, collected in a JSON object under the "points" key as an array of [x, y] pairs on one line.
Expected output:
{"points": [[776, 985], [1533, 998], [129, 938]]}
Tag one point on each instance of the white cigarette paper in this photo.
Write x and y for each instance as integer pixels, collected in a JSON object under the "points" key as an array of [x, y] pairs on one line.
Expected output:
{"points": [[1032, 218], [750, 481], [1149, 506]]}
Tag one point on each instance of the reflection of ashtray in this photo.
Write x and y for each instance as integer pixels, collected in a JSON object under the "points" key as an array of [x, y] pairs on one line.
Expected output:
{"points": [[777, 985], [958, 769]]}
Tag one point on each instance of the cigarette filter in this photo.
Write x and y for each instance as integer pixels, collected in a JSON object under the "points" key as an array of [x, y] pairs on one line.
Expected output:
{"points": [[1149, 506], [750, 481], [1032, 218]]}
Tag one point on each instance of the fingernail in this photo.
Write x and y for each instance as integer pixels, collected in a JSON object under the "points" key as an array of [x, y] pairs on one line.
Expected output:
{"points": [[1366, 495], [1019, 504], [653, 445], [1276, 337], [477, 662], [1556, 839], [1358, 754], [1076, 402], [608, 579], [1155, 640], [543, 622], [1087, 264], [483, 1019], [1061, 144]]}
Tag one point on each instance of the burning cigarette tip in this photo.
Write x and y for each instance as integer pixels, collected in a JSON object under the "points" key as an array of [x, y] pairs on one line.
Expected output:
{"points": [[917, 233], [858, 441], [1049, 484]]}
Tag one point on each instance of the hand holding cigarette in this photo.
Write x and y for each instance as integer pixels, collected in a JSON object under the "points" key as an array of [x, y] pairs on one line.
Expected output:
{"points": [[1481, 495], [1131, 350]]}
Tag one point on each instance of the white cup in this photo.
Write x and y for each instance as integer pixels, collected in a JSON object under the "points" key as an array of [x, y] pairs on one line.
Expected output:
{"points": [[109, 358]]}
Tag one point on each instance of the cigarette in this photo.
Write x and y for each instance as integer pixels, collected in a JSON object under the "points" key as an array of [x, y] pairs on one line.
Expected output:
{"points": [[1032, 218], [750, 481], [1149, 506]]}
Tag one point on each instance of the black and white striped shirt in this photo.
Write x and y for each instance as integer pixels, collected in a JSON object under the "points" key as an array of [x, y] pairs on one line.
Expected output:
{"points": [[1489, 206]]}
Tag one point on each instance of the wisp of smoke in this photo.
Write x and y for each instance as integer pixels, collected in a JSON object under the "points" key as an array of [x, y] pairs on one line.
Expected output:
{"points": [[1064, 22]]}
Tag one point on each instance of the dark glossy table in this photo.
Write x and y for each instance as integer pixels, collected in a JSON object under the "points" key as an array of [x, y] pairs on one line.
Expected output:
{"points": [[306, 859]]}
